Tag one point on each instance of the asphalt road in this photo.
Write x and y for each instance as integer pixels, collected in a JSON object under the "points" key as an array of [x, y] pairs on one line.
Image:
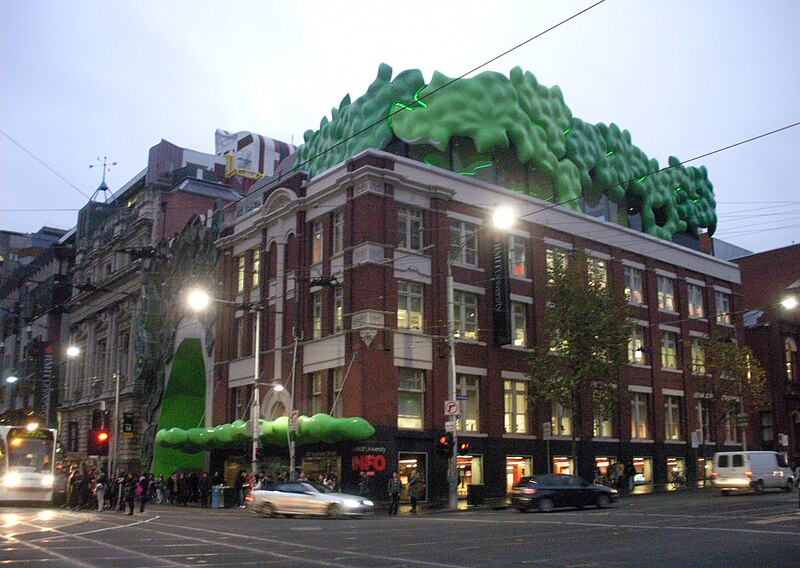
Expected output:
{"points": [[674, 529]]}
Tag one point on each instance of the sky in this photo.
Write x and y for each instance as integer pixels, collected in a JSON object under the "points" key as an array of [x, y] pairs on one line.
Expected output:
{"points": [[80, 80]]}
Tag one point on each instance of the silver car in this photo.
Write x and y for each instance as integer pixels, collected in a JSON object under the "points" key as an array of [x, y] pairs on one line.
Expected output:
{"points": [[306, 498]]}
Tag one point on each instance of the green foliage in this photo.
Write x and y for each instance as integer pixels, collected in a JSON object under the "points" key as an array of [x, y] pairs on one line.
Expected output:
{"points": [[586, 333]]}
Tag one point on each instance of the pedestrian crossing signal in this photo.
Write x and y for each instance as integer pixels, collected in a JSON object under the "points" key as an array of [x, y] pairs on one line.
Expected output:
{"points": [[463, 448], [444, 444]]}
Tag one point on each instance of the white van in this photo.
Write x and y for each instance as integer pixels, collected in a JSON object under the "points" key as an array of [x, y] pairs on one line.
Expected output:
{"points": [[737, 471]]}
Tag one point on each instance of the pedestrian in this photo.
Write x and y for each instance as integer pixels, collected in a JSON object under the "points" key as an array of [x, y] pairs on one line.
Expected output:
{"points": [[142, 492], [119, 489], [413, 491], [129, 491], [100, 491], [630, 476], [160, 488], [204, 488], [394, 488], [241, 482], [797, 481], [363, 484]]}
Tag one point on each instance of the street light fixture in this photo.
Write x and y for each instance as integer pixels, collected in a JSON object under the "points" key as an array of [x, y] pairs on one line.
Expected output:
{"points": [[503, 218]]}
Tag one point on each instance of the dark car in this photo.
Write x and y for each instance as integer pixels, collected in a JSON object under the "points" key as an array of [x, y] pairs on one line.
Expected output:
{"points": [[552, 490]]}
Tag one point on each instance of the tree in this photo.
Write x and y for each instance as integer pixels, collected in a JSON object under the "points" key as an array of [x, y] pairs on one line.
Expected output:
{"points": [[727, 377], [586, 329]]}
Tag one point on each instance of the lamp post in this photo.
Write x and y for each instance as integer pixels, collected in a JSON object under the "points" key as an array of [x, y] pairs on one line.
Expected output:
{"points": [[198, 300], [502, 219]]}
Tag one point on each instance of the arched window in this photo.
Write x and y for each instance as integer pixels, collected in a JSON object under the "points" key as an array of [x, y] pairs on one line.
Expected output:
{"points": [[791, 360]]}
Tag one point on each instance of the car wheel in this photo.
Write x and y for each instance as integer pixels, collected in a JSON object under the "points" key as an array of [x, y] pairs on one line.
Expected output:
{"points": [[602, 501], [523, 509], [544, 505], [267, 510], [335, 511], [789, 485], [725, 492], [759, 486]]}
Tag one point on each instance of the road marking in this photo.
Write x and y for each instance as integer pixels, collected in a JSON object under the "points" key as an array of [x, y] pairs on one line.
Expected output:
{"points": [[771, 520], [103, 529]]}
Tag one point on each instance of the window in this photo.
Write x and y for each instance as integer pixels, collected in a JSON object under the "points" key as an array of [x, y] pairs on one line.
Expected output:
{"points": [[666, 293], [316, 300], [516, 256], [596, 269], [338, 310], [634, 286], [409, 229], [239, 325], [516, 406], [639, 402], [256, 267], [636, 345], [240, 396], [463, 242], [731, 430], [767, 428], [602, 426], [555, 259], [723, 304], [123, 339], [519, 324], [315, 406], [704, 419], [410, 398], [561, 419], [694, 294], [467, 386], [698, 358], [465, 314], [409, 305], [316, 242], [669, 350], [337, 237], [791, 360], [240, 273], [672, 418], [338, 399]]}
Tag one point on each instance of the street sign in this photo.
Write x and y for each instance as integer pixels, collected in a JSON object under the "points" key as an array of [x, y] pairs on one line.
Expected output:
{"points": [[462, 397], [449, 426], [294, 417], [451, 408], [741, 419]]}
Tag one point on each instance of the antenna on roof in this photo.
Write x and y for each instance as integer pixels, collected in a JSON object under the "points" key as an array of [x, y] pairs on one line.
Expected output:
{"points": [[102, 187]]}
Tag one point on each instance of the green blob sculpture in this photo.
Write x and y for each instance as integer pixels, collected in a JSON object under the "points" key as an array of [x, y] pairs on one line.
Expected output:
{"points": [[317, 428], [515, 119]]}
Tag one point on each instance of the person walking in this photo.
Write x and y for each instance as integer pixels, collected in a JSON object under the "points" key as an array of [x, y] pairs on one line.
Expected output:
{"points": [[363, 484], [100, 491], [142, 490], [414, 485], [204, 489], [394, 488], [129, 491]]}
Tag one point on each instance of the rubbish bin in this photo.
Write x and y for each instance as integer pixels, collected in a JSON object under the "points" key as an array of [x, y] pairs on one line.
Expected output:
{"points": [[476, 494], [229, 497], [216, 496]]}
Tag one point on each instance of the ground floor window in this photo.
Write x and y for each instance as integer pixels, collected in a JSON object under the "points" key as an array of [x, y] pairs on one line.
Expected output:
{"points": [[517, 467], [413, 463], [676, 470], [470, 470], [704, 467], [602, 464], [563, 464], [644, 470], [322, 463]]}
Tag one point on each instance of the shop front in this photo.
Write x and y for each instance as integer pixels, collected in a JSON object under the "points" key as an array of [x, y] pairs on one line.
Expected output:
{"points": [[470, 472], [517, 467]]}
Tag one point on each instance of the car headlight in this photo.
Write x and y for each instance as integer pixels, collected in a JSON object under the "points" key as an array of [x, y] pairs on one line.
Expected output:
{"points": [[351, 503], [47, 480], [13, 479], [368, 503]]}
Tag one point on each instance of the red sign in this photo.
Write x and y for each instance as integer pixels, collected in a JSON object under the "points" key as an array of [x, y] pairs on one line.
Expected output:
{"points": [[367, 462]]}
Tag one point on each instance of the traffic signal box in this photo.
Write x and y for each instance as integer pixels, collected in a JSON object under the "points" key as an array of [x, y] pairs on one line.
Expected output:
{"points": [[99, 442], [444, 444], [463, 448]]}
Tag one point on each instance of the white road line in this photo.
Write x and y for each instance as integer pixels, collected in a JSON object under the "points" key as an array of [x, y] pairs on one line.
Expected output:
{"points": [[116, 527]]}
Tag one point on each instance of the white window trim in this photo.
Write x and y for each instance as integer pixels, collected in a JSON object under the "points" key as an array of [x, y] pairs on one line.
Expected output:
{"points": [[672, 392], [521, 299], [558, 244], [637, 388], [669, 328], [632, 264]]}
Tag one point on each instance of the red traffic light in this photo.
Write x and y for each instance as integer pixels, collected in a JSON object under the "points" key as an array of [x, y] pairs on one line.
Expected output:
{"points": [[463, 448], [102, 436]]}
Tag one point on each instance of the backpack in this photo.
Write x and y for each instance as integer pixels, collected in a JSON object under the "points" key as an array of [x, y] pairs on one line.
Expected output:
{"points": [[139, 489]]}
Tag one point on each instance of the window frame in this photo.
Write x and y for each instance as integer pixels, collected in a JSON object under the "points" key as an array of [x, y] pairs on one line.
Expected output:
{"points": [[411, 387], [469, 420], [337, 232], [722, 303], [317, 242], [640, 427], [673, 418], [515, 420], [409, 292], [666, 293], [465, 327], [409, 229], [695, 301], [516, 256], [463, 243], [634, 276], [519, 324], [665, 345]]}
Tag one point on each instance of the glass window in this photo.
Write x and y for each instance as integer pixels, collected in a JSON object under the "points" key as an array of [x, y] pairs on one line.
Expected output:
{"points": [[316, 300], [409, 229], [634, 286], [240, 273], [639, 402], [602, 426], [669, 350], [723, 303], [516, 256], [516, 406], [315, 391], [100, 350], [672, 418], [555, 258], [468, 386], [666, 293], [731, 430], [338, 399], [463, 242], [409, 305], [410, 398], [596, 268], [239, 337], [338, 310], [316, 240], [636, 345], [561, 420], [519, 324], [698, 358], [337, 237], [256, 267], [465, 314], [767, 428], [791, 359], [703, 409], [694, 294]]}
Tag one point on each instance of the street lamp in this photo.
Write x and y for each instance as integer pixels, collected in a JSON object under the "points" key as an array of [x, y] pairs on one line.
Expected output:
{"points": [[503, 218], [198, 300]]}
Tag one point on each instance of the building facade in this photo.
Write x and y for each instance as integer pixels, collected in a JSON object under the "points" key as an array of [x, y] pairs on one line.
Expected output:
{"points": [[351, 267]]}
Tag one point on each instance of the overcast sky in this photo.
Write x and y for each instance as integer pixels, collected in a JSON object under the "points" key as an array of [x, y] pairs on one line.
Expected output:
{"points": [[82, 80]]}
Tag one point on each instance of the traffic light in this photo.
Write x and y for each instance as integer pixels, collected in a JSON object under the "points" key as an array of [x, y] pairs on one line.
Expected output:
{"points": [[99, 442], [444, 444], [463, 448]]}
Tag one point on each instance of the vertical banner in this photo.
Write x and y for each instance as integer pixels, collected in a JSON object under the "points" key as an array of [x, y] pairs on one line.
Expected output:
{"points": [[47, 385], [501, 297]]}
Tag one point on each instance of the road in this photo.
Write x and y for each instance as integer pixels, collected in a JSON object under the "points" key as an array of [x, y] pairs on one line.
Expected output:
{"points": [[673, 529]]}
